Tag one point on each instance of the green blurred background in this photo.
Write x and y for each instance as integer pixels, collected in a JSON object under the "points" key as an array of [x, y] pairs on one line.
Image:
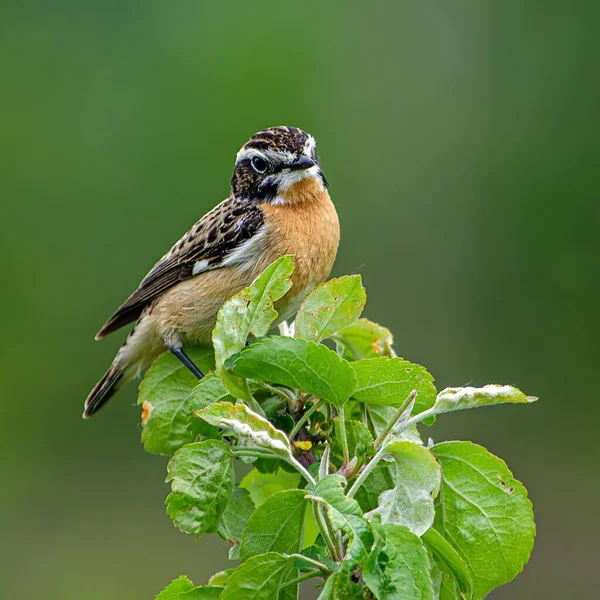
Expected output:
{"points": [[461, 144]]}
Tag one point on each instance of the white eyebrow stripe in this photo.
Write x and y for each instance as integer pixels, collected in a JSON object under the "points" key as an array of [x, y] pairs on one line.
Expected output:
{"points": [[269, 155], [310, 146]]}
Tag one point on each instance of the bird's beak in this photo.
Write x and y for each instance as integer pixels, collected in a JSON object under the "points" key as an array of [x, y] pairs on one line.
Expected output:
{"points": [[303, 162]]}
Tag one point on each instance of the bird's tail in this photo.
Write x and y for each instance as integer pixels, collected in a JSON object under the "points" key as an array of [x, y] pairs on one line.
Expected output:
{"points": [[104, 390]]}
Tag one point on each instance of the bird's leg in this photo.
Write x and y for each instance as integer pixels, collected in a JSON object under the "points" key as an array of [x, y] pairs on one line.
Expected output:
{"points": [[187, 361]]}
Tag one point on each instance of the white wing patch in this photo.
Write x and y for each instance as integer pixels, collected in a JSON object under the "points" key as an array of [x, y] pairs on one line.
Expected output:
{"points": [[199, 267], [246, 255]]}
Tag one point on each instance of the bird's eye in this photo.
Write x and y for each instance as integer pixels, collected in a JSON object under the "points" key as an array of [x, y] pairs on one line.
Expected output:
{"points": [[259, 165]]}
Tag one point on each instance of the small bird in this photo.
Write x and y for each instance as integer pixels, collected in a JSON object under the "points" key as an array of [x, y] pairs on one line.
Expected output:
{"points": [[279, 204]]}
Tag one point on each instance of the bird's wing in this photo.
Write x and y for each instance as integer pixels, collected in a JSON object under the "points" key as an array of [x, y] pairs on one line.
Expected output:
{"points": [[220, 238]]}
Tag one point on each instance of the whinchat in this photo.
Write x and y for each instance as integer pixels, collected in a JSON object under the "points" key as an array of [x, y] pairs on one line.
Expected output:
{"points": [[279, 204]]}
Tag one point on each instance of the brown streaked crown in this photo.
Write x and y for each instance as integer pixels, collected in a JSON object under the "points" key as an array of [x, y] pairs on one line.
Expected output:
{"points": [[281, 139], [264, 160]]}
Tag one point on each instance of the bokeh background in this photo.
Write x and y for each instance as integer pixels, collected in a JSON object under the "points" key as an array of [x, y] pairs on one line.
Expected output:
{"points": [[461, 144]]}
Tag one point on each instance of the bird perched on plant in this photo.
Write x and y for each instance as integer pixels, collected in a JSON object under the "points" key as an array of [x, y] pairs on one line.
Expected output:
{"points": [[279, 204]]}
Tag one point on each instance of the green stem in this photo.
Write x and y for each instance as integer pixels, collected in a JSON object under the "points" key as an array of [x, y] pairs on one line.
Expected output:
{"points": [[365, 473], [301, 470], [324, 466], [302, 578], [430, 412], [266, 453], [325, 531], [396, 421], [284, 393], [256, 452], [321, 566], [343, 437], [364, 415], [304, 418], [252, 402]]}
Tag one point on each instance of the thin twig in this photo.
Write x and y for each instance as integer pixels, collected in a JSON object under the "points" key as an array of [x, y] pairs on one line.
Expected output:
{"points": [[281, 392], [365, 473], [343, 437], [324, 530], [396, 421], [321, 566], [302, 578], [304, 418]]}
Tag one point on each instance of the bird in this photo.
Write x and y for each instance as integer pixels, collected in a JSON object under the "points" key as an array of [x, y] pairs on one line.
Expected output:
{"points": [[279, 204]]}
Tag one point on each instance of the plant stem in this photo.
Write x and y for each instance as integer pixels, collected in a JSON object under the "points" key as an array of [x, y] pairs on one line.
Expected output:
{"points": [[364, 415], [256, 452], [266, 453], [307, 414], [312, 561], [396, 420], [324, 466], [282, 393], [430, 412], [324, 530], [252, 402], [301, 470], [302, 578], [343, 437], [365, 473]]}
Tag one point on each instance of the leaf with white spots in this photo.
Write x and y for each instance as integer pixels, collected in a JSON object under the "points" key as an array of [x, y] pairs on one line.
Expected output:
{"points": [[388, 381], [165, 394], [183, 589], [310, 367], [261, 577], [417, 483], [201, 476], [484, 512], [364, 339], [249, 312], [250, 428], [462, 398], [330, 307], [277, 525]]}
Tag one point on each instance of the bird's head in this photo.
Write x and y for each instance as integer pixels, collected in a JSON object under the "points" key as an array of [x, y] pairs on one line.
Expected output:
{"points": [[275, 162]]}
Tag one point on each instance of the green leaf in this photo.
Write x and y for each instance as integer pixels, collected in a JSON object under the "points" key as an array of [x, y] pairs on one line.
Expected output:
{"points": [[220, 578], [312, 368], [164, 394], [380, 416], [183, 589], [330, 307], [340, 586], [259, 578], [365, 339], [484, 513], [379, 480], [389, 381], [331, 488], [418, 477], [449, 588], [236, 515], [451, 558], [277, 525], [249, 312], [201, 476], [262, 485], [451, 399], [360, 537], [360, 440], [398, 566], [250, 428], [209, 390]]}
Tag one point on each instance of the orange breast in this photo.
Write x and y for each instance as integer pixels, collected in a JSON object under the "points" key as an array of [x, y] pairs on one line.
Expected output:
{"points": [[307, 226]]}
